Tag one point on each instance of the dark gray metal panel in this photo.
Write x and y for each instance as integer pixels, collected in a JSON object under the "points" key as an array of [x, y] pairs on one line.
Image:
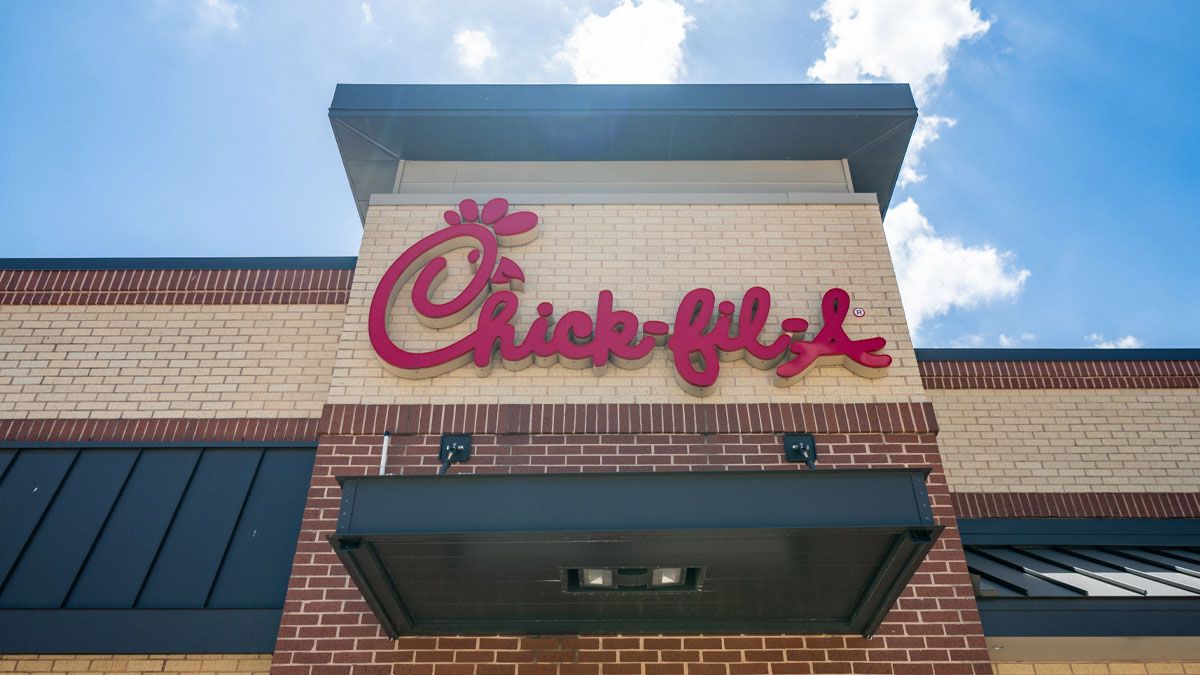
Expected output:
{"points": [[1085, 577], [56, 552], [1080, 531], [1089, 571], [6, 457], [138, 631], [265, 540], [1009, 574], [96, 525], [29, 486], [703, 98], [643, 501], [121, 558], [183, 572], [1109, 617]]}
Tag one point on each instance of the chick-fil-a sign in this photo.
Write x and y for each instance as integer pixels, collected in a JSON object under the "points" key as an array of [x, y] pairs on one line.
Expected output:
{"points": [[705, 332]]}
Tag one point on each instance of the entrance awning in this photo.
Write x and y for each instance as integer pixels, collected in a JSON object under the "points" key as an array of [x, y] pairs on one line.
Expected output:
{"points": [[825, 551]]}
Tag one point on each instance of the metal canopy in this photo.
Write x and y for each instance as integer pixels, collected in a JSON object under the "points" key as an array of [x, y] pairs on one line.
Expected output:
{"points": [[1099, 577], [784, 552], [376, 126]]}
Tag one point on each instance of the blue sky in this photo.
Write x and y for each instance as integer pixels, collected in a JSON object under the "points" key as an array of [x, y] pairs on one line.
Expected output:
{"points": [[1056, 210]]}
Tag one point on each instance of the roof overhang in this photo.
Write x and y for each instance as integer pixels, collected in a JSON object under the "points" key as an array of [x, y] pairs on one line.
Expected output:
{"points": [[824, 551], [377, 126]]}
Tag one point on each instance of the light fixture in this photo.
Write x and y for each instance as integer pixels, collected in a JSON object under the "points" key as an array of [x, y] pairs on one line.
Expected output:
{"points": [[667, 576], [800, 448], [635, 579], [453, 448], [596, 578]]}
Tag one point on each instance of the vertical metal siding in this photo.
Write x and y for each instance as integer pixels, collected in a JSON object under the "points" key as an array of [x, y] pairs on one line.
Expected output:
{"points": [[164, 528]]}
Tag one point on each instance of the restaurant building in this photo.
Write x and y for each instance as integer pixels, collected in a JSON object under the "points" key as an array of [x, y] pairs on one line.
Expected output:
{"points": [[619, 383]]}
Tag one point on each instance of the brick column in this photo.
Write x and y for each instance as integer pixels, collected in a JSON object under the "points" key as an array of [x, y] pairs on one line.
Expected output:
{"points": [[328, 628]]}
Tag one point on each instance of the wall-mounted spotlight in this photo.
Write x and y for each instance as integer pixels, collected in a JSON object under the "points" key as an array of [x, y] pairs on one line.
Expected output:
{"points": [[800, 448], [454, 448]]}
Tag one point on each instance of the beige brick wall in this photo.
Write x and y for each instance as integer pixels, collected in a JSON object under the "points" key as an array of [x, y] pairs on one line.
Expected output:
{"points": [[1172, 668], [166, 361], [191, 664], [649, 256], [1070, 440]]}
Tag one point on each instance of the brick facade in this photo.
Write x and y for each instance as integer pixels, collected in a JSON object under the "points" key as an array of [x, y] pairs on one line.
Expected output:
{"points": [[1130, 668], [170, 361], [122, 664], [1077, 504], [175, 287], [649, 256], [1130, 374], [327, 627], [269, 429], [1070, 440]]}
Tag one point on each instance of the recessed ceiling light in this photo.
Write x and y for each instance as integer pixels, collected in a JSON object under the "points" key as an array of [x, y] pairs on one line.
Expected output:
{"points": [[666, 576], [596, 578]]}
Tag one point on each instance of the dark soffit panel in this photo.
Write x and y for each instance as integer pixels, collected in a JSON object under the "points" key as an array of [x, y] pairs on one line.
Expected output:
{"points": [[376, 126], [814, 552], [162, 548]]}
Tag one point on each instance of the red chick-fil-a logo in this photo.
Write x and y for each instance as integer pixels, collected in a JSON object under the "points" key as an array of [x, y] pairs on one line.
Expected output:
{"points": [[705, 332]]}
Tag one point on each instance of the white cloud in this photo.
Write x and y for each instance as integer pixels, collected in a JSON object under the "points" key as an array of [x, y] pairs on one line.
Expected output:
{"points": [[474, 48], [638, 42], [978, 340], [937, 274], [1128, 342], [894, 40], [968, 341], [368, 15], [897, 41], [925, 133], [214, 15], [1015, 340]]}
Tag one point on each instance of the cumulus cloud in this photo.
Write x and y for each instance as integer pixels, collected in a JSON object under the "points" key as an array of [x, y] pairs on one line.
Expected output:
{"points": [[368, 15], [913, 41], [474, 48], [638, 42], [937, 274], [897, 41], [925, 133], [894, 40], [218, 15], [1100, 342]]}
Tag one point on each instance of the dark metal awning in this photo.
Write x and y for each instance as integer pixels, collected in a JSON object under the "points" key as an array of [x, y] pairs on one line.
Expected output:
{"points": [[790, 551], [1097, 578]]}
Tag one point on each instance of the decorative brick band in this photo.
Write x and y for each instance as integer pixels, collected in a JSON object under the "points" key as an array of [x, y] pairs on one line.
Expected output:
{"points": [[626, 418], [1077, 504], [1060, 374], [175, 287], [175, 430]]}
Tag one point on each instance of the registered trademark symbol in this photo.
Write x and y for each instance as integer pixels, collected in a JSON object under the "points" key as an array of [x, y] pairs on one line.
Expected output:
{"points": [[859, 312]]}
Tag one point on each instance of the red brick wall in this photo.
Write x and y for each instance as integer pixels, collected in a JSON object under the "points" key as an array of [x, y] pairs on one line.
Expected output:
{"points": [[1130, 374], [327, 627], [175, 287], [1077, 504]]}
